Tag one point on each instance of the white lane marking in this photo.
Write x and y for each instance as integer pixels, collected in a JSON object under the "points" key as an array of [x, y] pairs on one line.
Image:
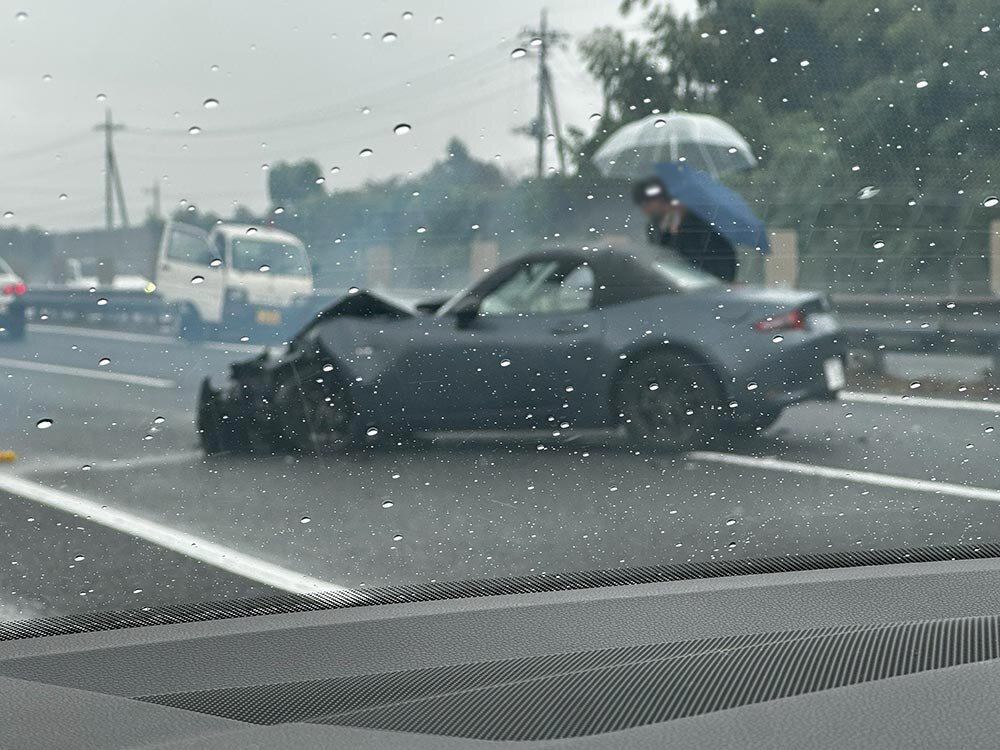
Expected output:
{"points": [[100, 333], [143, 338], [47, 467], [189, 545], [850, 475], [83, 372], [238, 348], [887, 399]]}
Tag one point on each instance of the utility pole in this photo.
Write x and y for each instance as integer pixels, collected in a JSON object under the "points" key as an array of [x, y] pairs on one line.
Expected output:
{"points": [[112, 177], [541, 38], [155, 192]]}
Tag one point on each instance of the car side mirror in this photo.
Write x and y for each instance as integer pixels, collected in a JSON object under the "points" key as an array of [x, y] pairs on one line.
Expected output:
{"points": [[466, 311]]}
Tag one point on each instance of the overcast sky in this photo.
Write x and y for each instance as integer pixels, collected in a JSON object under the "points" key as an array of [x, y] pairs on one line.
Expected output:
{"points": [[292, 80]]}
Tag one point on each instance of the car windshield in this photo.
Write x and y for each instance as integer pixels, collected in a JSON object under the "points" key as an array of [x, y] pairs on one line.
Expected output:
{"points": [[344, 295], [279, 258]]}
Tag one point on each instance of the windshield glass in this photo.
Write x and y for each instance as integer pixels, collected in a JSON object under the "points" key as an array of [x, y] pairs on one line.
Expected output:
{"points": [[473, 219], [280, 258]]}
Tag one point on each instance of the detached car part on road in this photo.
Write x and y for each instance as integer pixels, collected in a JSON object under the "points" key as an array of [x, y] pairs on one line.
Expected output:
{"points": [[554, 340]]}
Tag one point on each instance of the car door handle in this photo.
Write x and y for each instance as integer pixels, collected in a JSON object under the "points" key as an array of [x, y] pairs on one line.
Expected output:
{"points": [[568, 329]]}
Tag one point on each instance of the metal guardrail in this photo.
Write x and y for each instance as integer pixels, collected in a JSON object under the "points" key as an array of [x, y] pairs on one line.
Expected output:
{"points": [[879, 324], [873, 324]]}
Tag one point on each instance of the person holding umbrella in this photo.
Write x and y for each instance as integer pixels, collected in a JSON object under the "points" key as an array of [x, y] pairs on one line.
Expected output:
{"points": [[676, 160], [672, 225]]}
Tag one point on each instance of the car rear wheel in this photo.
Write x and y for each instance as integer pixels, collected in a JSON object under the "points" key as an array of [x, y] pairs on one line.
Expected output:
{"points": [[757, 424], [670, 402], [313, 416]]}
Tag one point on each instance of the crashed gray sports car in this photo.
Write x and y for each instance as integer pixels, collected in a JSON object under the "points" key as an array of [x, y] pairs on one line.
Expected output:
{"points": [[556, 340]]}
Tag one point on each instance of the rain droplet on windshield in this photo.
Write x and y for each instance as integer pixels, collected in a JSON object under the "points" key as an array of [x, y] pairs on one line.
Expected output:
{"points": [[365, 152], [63, 196], [216, 262], [102, 301], [210, 103], [8, 214], [264, 268], [159, 420], [991, 202], [197, 279], [194, 130], [751, 386], [387, 503], [921, 84], [878, 244], [389, 36], [79, 558], [730, 522], [44, 424], [397, 538], [371, 431], [778, 339], [305, 519], [505, 363], [103, 362], [914, 385], [518, 52], [21, 16], [407, 15], [402, 129]]}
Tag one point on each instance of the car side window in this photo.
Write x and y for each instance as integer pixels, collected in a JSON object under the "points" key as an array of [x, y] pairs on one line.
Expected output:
{"points": [[188, 248], [540, 288]]}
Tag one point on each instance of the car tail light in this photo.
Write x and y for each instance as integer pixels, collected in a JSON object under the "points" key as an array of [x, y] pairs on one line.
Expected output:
{"points": [[794, 320], [15, 289]]}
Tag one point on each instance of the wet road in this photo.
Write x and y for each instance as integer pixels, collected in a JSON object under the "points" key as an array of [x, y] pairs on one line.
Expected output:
{"points": [[116, 481]]}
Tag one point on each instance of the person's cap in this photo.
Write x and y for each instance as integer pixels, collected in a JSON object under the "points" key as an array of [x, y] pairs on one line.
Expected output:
{"points": [[649, 188]]}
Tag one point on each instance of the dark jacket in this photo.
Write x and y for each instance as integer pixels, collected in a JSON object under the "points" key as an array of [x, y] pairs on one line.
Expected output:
{"points": [[700, 245]]}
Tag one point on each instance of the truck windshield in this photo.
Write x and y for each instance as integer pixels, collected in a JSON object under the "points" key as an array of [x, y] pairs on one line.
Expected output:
{"points": [[279, 258]]}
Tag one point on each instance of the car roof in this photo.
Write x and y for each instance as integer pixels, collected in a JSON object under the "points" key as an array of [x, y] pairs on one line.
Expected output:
{"points": [[619, 275], [262, 232]]}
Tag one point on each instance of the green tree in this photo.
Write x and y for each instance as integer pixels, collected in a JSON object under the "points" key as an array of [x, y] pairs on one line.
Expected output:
{"points": [[294, 184]]}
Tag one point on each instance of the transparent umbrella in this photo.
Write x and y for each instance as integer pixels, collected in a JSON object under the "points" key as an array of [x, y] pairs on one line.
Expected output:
{"points": [[700, 141]]}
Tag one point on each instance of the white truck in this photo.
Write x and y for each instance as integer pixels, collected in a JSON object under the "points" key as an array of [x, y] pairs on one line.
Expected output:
{"points": [[234, 279]]}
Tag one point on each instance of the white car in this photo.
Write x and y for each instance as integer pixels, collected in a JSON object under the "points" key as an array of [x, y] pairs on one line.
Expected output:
{"points": [[12, 290]]}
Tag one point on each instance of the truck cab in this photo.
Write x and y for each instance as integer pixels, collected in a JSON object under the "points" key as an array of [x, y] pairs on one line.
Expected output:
{"points": [[237, 278]]}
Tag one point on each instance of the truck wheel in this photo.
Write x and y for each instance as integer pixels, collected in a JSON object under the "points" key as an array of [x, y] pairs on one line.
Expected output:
{"points": [[15, 326], [188, 324], [669, 402]]}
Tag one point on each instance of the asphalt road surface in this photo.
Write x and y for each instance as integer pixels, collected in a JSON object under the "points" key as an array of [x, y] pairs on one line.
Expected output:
{"points": [[110, 505]]}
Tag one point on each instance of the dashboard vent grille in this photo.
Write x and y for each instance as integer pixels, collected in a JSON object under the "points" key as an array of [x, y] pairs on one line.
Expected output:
{"points": [[287, 603], [585, 693]]}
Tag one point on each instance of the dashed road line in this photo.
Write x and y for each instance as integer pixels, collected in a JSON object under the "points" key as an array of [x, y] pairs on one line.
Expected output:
{"points": [[144, 338], [83, 372], [189, 545], [926, 402], [850, 475]]}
